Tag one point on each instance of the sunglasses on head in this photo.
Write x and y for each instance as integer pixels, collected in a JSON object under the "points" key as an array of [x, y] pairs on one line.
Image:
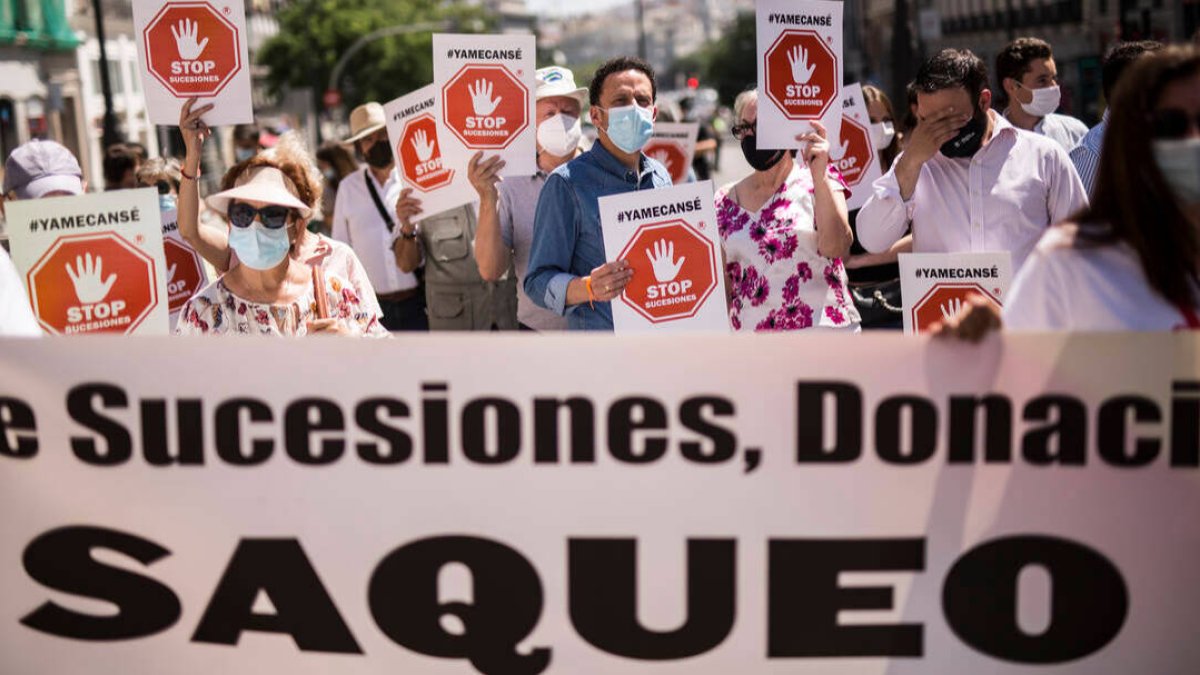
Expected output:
{"points": [[272, 217], [1173, 123]]}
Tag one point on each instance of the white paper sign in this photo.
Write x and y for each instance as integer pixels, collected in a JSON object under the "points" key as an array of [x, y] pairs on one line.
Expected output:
{"points": [[669, 237], [194, 49], [936, 285], [855, 155], [93, 263], [187, 272], [418, 143], [674, 145], [486, 85], [799, 69]]}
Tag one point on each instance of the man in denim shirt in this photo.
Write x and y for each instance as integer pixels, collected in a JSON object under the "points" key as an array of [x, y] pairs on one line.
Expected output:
{"points": [[567, 272]]}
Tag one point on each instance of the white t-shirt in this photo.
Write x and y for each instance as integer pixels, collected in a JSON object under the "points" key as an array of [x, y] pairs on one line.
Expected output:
{"points": [[1063, 287], [16, 317]]}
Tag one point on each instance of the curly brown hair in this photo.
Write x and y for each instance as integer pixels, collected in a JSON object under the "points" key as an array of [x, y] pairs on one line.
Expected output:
{"points": [[291, 158]]}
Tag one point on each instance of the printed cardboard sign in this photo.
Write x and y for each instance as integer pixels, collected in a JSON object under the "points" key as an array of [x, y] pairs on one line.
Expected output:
{"points": [[674, 145], [92, 263], [936, 285], [855, 156], [194, 49], [486, 85], [669, 238], [418, 144], [799, 70], [187, 273]]}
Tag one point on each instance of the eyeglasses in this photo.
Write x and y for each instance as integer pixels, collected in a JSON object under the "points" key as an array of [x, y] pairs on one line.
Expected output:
{"points": [[742, 130], [273, 217], [1173, 123]]}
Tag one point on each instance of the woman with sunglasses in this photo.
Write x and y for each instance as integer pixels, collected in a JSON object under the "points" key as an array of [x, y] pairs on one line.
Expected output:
{"points": [[1130, 260], [267, 200], [784, 230]]}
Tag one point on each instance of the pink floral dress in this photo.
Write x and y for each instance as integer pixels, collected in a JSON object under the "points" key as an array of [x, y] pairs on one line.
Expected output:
{"points": [[779, 281], [216, 310]]}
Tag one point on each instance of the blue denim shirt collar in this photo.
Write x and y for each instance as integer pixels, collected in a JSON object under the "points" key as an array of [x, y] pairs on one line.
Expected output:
{"points": [[610, 164]]}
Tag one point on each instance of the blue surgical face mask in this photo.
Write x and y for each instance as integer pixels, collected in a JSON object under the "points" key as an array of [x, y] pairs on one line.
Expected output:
{"points": [[166, 202], [243, 154], [630, 127], [259, 248]]}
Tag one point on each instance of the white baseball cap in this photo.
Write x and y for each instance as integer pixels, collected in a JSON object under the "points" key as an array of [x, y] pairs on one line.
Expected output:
{"points": [[558, 81]]}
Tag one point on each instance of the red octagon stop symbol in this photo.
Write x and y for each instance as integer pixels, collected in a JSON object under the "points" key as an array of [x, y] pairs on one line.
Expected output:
{"points": [[944, 300], [485, 106], [858, 152], [671, 155], [92, 283], [185, 274], [674, 271], [421, 155], [191, 49], [801, 73]]}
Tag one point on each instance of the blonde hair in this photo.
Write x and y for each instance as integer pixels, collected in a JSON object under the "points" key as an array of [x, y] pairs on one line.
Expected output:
{"points": [[743, 100]]}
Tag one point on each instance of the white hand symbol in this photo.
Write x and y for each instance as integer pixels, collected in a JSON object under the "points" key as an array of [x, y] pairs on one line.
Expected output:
{"points": [[423, 146], [171, 273], [86, 277], [661, 261], [185, 40], [481, 98], [801, 70], [838, 154], [662, 157], [951, 308]]}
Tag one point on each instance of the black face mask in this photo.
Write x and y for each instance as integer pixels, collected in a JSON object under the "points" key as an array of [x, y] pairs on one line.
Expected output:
{"points": [[760, 160], [968, 141], [380, 155]]}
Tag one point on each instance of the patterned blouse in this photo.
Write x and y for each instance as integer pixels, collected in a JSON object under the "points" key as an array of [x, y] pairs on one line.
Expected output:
{"points": [[779, 281]]}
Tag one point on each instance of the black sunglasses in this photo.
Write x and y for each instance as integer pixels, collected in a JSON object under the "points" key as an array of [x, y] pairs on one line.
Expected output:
{"points": [[1173, 123], [273, 217], [164, 188]]}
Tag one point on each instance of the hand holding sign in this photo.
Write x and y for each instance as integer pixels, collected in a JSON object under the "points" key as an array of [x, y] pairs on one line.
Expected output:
{"points": [[86, 278], [816, 152], [185, 40], [663, 262], [481, 98], [423, 145], [802, 70]]}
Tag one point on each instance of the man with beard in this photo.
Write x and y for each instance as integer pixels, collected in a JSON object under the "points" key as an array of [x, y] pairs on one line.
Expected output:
{"points": [[969, 180]]}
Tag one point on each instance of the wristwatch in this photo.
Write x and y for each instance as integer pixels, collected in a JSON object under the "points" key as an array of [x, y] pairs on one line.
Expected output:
{"points": [[410, 235]]}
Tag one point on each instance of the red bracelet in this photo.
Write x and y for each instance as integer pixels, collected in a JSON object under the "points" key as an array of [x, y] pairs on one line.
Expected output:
{"points": [[185, 173]]}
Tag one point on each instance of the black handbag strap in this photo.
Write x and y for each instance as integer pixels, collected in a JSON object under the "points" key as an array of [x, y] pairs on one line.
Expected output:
{"points": [[383, 213]]}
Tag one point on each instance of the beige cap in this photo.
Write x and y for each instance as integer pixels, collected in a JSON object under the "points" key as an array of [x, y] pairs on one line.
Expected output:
{"points": [[558, 81], [261, 184], [365, 120]]}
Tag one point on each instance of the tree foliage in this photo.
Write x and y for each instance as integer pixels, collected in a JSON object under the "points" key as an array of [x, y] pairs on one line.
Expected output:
{"points": [[313, 35], [730, 64]]}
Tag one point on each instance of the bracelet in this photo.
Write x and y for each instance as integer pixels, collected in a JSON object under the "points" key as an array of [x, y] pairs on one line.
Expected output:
{"points": [[184, 173], [587, 283]]}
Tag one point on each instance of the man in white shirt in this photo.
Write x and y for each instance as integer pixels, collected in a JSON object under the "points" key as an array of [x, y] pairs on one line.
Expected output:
{"points": [[363, 217], [1028, 75], [968, 180]]}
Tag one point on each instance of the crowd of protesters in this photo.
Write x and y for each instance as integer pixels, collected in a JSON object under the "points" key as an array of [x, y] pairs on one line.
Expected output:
{"points": [[1103, 224]]}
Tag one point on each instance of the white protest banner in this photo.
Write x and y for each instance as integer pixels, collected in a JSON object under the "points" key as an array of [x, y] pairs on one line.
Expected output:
{"points": [[92, 263], [936, 285], [413, 131], [855, 156], [673, 145], [693, 504], [187, 272], [486, 85], [194, 49], [669, 237], [799, 70]]}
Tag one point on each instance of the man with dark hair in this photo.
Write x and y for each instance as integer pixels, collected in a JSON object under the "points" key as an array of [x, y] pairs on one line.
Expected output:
{"points": [[120, 167], [247, 141], [968, 179], [1086, 155], [567, 271], [1028, 75]]}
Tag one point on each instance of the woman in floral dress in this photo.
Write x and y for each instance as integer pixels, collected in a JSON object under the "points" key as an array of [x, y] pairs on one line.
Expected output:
{"points": [[784, 230]]}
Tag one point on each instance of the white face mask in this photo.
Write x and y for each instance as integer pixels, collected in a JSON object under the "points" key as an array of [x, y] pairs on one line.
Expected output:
{"points": [[560, 135], [882, 134], [1045, 101], [1179, 162]]}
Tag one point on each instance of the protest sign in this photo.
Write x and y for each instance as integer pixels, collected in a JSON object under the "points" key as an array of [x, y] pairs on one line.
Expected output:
{"points": [[855, 156], [413, 132], [194, 49], [669, 237], [936, 285], [92, 263], [799, 70], [486, 85], [711, 505], [673, 145], [187, 273]]}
